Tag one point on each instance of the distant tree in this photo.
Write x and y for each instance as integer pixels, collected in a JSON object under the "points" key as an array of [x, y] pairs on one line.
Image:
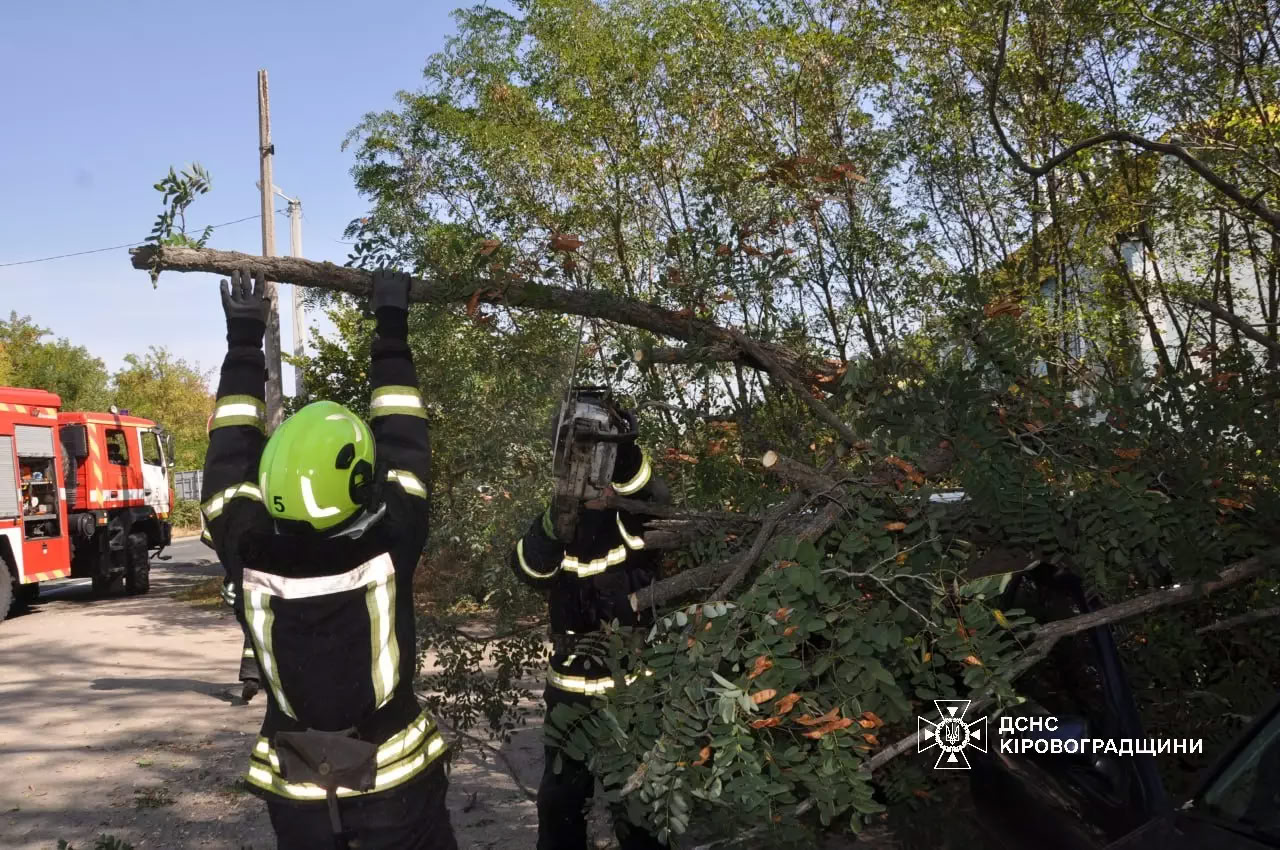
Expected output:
{"points": [[174, 393], [59, 366]]}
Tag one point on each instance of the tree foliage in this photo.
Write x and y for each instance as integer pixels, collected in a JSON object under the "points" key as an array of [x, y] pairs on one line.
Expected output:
{"points": [[864, 185], [171, 391]]}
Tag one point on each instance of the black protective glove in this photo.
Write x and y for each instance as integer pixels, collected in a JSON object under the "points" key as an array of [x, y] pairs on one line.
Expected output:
{"points": [[246, 306], [390, 289]]}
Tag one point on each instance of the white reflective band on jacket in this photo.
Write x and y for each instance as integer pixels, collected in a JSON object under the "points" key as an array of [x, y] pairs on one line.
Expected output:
{"points": [[376, 576], [615, 556], [584, 685], [411, 483], [213, 508], [524, 564], [632, 541], [397, 400], [239, 410], [403, 756], [637, 482]]}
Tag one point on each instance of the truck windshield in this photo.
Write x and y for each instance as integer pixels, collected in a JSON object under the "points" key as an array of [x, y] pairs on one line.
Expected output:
{"points": [[1248, 790]]}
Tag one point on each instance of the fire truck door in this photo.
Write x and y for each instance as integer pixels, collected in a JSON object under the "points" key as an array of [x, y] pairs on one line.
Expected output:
{"points": [[155, 473]]}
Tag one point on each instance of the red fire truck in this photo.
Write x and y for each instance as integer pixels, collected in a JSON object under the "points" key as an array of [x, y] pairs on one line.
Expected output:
{"points": [[81, 495]]}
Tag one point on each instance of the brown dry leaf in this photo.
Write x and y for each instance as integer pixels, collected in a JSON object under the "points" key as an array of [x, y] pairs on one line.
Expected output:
{"points": [[1231, 503], [1033, 427], [972, 660], [703, 755], [895, 526], [788, 631], [686, 313], [689, 643], [921, 793], [473, 304], [1002, 308], [807, 720], [787, 703], [488, 246], [866, 724], [762, 664], [764, 722], [871, 739], [565, 242], [1127, 454], [782, 614], [715, 448], [675, 454], [901, 558], [722, 250], [827, 728], [783, 564], [907, 469], [707, 627], [874, 718], [763, 696]]}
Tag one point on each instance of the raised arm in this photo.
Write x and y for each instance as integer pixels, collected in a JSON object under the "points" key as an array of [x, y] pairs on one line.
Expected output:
{"points": [[537, 556], [236, 430], [397, 416]]}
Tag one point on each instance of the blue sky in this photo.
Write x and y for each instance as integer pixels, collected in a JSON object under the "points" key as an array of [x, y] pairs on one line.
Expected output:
{"points": [[101, 98]]}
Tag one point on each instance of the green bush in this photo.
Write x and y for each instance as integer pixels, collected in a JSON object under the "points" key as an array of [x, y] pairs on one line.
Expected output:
{"points": [[185, 514]]}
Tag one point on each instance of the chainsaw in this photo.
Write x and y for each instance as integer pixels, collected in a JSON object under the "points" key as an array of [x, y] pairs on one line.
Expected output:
{"points": [[588, 429]]}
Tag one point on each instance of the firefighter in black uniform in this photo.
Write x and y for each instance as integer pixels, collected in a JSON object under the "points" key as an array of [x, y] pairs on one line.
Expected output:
{"points": [[587, 580], [320, 534]]}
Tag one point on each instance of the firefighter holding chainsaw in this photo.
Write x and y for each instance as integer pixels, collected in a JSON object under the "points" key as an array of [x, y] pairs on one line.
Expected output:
{"points": [[320, 529], [588, 562]]}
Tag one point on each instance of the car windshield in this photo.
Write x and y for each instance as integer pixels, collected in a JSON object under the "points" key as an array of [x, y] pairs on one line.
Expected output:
{"points": [[1247, 791]]}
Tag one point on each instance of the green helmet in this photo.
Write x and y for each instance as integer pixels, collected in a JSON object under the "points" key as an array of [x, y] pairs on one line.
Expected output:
{"points": [[317, 468]]}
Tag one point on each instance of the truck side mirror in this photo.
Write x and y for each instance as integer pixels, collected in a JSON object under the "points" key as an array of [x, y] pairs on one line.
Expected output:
{"points": [[169, 459]]}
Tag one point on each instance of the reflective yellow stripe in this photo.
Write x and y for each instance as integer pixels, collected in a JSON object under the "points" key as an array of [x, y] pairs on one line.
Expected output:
{"points": [[633, 542], [398, 746], [637, 481], [615, 556], [248, 652], [264, 771], [524, 565], [380, 599], [212, 508], [239, 410], [397, 400], [580, 684], [258, 613], [411, 483]]}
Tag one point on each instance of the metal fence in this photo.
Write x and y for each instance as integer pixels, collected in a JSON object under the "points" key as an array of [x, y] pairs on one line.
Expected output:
{"points": [[186, 485]]}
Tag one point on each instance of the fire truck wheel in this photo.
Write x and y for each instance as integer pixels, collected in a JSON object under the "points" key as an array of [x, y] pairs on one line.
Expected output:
{"points": [[137, 576], [6, 590], [107, 585], [27, 593]]}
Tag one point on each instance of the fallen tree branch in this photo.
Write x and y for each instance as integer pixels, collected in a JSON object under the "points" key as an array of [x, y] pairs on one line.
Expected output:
{"points": [[1239, 620], [802, 475], [509, 290], [685, 411], [780, 374], [1046, 636]]}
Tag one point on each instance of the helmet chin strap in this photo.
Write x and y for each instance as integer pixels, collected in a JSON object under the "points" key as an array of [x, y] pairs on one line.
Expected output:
{"points": [[365, 520]]}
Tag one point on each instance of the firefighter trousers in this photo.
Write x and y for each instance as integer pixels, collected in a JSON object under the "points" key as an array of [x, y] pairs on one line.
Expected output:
{"points": [[562, 809], [248, 662], [412, 817]]}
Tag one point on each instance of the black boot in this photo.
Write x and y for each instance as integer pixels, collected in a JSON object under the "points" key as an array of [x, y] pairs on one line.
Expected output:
{"points": [[249, 691]]}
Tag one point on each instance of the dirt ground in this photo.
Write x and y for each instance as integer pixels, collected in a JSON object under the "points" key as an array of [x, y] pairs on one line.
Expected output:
{"points": [[118, 717]]}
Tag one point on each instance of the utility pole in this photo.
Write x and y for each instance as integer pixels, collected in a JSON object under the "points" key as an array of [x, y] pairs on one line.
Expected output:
{"points": [[299, 328], [275, 394]]}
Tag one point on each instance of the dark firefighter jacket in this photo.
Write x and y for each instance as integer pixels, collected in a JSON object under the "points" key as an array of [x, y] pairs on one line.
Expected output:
{"points": [[331, 620], [590, 578]]}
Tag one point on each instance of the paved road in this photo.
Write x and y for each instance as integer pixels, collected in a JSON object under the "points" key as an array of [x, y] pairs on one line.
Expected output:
{"points": [[117, 716]]}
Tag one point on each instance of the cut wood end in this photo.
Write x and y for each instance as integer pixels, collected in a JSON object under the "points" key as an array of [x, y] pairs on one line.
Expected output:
{"points": [[638, 355], [770, 458]]}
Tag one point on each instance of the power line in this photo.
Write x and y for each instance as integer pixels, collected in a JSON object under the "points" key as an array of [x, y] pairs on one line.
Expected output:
{"points": [[116, 247]]}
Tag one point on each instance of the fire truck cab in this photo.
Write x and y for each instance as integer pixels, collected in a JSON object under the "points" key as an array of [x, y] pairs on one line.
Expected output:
{"points": [[81, 495]]}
